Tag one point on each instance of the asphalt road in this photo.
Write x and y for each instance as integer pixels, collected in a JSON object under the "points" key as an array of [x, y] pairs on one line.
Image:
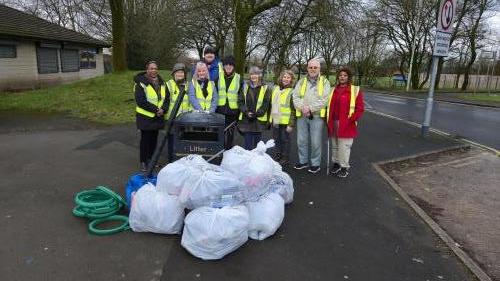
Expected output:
{"points": [[476, 123], [336, 229]]}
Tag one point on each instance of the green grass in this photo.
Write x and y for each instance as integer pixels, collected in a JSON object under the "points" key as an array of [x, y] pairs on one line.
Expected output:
{"points": [[107, 99], [481, 97]]}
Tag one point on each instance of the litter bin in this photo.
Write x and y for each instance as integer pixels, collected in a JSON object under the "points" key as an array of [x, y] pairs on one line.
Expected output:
{"points": [[197, 133]]}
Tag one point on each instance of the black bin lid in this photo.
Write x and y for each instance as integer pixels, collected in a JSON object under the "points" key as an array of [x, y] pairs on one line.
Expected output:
{"points": [[199, 118]]}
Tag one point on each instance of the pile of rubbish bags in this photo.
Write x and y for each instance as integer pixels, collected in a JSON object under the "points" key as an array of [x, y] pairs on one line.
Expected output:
{"points": [[242, 198]]}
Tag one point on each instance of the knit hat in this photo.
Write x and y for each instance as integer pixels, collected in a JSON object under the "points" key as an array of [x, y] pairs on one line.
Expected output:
{"points": [[179, 66], [209, 50], [228, 60]]}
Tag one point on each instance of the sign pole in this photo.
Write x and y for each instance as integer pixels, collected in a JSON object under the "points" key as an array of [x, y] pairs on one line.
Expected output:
{"points": [[430, 98], [441, 48]]}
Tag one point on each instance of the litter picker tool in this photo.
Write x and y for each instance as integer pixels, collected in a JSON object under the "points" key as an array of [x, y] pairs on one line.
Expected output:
{"points": [[168, 127]]}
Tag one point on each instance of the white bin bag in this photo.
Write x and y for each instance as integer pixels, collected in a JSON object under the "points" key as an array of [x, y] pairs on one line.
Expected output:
{"points": [[253, 168], [214, 187], [155, 211], [282, 184], [211, 233], [266, 216], [173, 177]]}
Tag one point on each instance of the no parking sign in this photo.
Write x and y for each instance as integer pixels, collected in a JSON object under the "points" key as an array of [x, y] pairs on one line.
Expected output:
{"points": [[446, 15]]}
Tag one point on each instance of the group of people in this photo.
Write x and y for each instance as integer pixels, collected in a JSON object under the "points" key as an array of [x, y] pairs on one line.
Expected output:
{"points": [[306, 106]]}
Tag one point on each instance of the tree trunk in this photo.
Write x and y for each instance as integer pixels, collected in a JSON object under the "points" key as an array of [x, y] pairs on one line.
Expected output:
{"points": [[118, 30], [240, 43], [415, 75], [438, 74], [244, 12]]}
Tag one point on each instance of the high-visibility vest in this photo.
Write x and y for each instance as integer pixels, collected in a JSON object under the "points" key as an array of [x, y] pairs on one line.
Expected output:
{"points": [[230, 94], [151, 97], [302, 92], [174, 95], [260, 100], [352, 102], [205, 103], [284, 105]]}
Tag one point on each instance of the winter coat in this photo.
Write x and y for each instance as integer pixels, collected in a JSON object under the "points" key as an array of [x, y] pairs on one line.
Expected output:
{"points": [[144, 122], [248, 104], [226, 110], [193, 100], [340, 99], [213, 69], [277, 103]]}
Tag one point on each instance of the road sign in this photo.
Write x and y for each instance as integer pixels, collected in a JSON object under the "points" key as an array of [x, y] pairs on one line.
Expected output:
{"points": [[447, 9], [444, 29], [442, 44]]}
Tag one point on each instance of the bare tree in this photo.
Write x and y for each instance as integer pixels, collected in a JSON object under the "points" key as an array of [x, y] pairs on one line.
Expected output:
{"points": [[244, 12], [475, 31]]}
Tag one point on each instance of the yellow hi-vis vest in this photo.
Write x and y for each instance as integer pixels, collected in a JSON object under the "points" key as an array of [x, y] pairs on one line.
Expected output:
{"points": [[151, 97], [260, 100], [205, 103], [284, 104], [352, 102], [174, 95], [303, 88], [231, 93]]}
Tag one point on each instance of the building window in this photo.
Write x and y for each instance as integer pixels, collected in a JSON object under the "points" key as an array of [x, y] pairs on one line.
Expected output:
{"points": [[48, 60], [7, 51], [87, 59], [70, 60]]}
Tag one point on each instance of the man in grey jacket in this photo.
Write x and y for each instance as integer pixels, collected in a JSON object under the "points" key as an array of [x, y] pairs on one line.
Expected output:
{"points": [[310, 96]]}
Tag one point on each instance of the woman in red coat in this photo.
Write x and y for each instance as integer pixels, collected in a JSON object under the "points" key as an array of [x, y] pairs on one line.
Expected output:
{"points": [[345, 108]]}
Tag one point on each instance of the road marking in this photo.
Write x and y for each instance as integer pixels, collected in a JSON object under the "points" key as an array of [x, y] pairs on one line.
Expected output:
{"points": [[436, 131], [424, 100], [367, 105]]}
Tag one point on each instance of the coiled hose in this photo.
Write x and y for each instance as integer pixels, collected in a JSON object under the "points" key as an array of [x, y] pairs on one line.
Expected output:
{"points": [[101, 205]]}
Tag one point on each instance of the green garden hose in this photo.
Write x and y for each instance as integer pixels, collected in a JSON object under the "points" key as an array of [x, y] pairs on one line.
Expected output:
{"points": [[124, 226], [100, 205]]}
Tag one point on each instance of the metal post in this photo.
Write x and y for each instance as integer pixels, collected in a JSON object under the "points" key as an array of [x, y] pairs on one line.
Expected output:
{"points": [[428, 107]]}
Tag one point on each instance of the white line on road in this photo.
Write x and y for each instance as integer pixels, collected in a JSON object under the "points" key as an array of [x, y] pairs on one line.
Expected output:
{"points": [[436, 131], [424, 99], [367, 105]]}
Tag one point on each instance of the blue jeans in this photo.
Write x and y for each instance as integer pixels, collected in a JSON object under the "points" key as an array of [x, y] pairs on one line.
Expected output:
{"points": [[251, 139], [310, 132]]}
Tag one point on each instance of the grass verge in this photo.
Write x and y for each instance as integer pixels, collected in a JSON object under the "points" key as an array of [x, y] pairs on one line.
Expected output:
{"points": [[107, 99]]}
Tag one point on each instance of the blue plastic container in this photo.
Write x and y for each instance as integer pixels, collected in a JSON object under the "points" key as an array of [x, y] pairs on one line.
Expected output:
{"points": [[134, 183]]}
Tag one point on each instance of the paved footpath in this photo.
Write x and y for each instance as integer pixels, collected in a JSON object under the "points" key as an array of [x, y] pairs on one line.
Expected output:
{"points": [[352, 229]]}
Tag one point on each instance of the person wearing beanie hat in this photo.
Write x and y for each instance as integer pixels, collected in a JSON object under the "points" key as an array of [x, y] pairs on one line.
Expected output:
{"points": [[254, 101], [175, 87], [228, 86], [212, 61]]}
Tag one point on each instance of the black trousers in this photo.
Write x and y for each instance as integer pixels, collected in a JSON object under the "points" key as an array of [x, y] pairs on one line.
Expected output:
{"points": [[282, 140], [147, 147]]}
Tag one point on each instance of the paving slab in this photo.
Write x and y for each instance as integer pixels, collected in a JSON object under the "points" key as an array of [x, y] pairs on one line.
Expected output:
{"points": [[459, 189]]}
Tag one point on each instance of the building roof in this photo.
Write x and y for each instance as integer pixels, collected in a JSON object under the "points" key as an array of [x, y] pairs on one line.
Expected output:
{"points": [[20, 24]]}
